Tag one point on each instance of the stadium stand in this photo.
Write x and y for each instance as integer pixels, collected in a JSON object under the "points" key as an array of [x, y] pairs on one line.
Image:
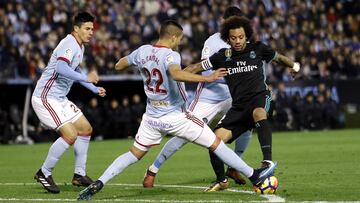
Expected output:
{"points": [[322, 35]]}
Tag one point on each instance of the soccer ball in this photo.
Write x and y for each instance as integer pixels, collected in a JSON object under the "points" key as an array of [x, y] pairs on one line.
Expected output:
{"points": [[269, 186]]}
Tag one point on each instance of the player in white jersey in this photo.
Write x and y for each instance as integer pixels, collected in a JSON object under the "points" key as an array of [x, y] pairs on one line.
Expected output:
{"points": [[165, 112], [56, 112], [211, 100]]}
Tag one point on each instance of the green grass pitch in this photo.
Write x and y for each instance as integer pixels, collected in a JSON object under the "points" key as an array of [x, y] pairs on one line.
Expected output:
{"points": [[313, 166]]}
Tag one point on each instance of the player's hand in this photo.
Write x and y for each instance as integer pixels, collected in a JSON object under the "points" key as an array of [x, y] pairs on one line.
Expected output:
{"points": [[217, 75], [295, 70], [93, 77], [102, 92]]}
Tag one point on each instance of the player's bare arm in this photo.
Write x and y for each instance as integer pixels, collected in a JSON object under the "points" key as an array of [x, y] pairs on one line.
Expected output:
{"points": [[185, 76], [194, 68], [286, 61], [122, 64]]}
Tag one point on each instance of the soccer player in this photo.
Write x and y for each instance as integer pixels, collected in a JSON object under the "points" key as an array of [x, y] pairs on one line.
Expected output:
{"points": [[245, 62], [166, 113], [211, 100], [54, 109]]}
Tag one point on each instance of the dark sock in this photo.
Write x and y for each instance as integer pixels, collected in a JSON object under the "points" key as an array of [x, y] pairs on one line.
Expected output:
{"points": [[255, 175], [265, 138], [218, 167]]}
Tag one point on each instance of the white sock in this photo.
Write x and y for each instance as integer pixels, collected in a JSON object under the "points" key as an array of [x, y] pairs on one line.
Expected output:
{"points": [[81, 146], [172, 146], [231, 159], [117, 166], [56, 150]]}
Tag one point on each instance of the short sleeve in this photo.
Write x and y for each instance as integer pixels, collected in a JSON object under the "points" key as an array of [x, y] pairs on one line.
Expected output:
{"points": [[133, 57], [66, 51], [268, 53], [206, 52], [172, 58], [216, 60]]}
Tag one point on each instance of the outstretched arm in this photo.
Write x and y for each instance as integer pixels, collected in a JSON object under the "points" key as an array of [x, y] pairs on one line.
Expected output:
{"points": [[194, 68], [187, 76], [286, 61], [122, 64]]}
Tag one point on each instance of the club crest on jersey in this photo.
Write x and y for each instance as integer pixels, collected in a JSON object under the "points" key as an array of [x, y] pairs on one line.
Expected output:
{"points": [[228, 54], [252, 54]]}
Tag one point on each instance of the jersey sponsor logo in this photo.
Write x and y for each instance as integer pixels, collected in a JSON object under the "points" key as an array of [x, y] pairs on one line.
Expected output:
{"points": [[68, 53], [241, 67], [159, 124], [159, 103], [252, 54], [228, 54]]}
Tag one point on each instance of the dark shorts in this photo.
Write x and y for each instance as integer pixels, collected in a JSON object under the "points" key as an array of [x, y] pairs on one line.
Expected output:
{"points": [[240, 119]]}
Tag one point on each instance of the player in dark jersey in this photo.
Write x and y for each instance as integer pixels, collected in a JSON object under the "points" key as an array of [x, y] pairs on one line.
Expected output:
{"points": [[245, 62]]}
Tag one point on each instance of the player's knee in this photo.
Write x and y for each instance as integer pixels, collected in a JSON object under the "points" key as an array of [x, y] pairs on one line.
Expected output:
{"points": [[215, 144], [86, 131], [259, 114], [224, 134], [69, 138]]}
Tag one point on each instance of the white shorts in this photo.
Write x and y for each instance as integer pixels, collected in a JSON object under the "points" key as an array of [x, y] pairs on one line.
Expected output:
{"points": [[54, 114], [183, 125], [208, 111]]}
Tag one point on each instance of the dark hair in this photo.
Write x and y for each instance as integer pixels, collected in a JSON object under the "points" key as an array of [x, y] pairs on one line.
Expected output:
{"points": [[232, 11], [170, 27], [235, 22], [82, 17]]}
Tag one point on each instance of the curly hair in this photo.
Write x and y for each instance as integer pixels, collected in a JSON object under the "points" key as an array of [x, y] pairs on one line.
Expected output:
{"points": [[235, 22]]}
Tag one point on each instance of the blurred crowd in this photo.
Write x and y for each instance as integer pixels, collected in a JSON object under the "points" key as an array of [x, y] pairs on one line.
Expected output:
{"points": [[111, 119], [322, 35], [317, 110]]}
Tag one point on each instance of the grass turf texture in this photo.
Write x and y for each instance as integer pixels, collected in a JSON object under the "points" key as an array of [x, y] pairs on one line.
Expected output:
{"points": [[313, 166]]}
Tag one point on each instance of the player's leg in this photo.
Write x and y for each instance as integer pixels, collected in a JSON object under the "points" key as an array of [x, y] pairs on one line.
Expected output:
{"points": [[146, 137], [210, 140], [57, 149], [241, 143], [116, 167], [217, 164], [50, 114], [261, 108], [171, 146], [81, 147]]}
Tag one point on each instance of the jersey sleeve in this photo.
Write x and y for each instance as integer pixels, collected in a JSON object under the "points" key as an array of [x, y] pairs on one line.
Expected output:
{"points": [[213, 62], [268, 53], [172, 58], [66, 52], [133, 58], [208, 50]]}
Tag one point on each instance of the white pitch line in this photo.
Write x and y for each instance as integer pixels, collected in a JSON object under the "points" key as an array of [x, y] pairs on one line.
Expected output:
{"points": [[269, 198]]}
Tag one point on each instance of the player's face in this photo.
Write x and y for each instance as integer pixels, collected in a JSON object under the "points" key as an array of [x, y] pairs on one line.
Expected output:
{"points": [[85, 31], [237, 39]]}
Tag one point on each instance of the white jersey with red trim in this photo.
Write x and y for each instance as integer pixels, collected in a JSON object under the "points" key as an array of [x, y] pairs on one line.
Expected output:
{"points": [[217, 91], [164, 94], [51, 84]]}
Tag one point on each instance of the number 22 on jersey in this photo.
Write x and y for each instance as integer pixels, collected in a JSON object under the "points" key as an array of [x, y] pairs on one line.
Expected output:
{"points": [[157, 78]]}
